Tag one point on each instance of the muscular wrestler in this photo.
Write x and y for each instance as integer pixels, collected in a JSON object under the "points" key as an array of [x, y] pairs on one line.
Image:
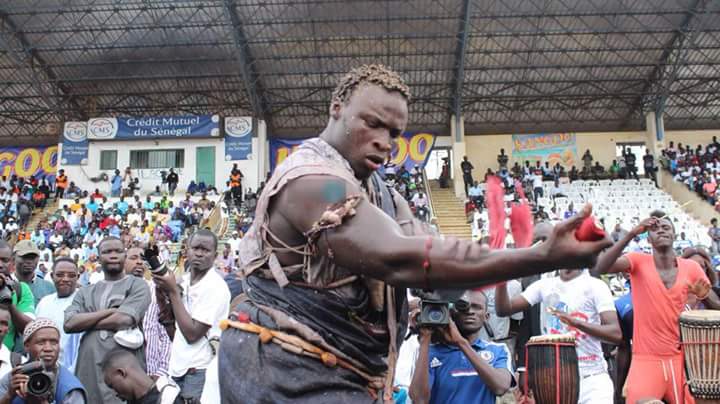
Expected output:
{"points": [[329, 239], [661, 283]]}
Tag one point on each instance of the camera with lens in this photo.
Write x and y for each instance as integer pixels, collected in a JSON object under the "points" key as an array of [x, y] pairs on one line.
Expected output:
{"points": [[41, 381], [152, 256], [7, 287], [435, 305]]}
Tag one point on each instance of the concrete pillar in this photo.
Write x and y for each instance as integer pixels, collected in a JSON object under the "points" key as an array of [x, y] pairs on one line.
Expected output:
{"points": [[457, 128], [262, 152], [655, 137]]}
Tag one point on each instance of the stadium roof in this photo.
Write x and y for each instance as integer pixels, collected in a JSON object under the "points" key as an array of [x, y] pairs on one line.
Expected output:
{"points": [[509, 66]]}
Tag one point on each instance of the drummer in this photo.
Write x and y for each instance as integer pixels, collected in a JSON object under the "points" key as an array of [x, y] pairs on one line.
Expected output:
{"points": [[583, 306], [661, 283]]}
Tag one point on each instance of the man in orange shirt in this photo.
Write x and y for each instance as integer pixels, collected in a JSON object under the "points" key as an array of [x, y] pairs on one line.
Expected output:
{"points": [[661, 282], [61, 183]]}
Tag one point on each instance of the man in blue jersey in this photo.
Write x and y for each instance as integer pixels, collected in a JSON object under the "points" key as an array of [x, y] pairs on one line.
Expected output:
{"points": [[624, 308], [463, 368]]}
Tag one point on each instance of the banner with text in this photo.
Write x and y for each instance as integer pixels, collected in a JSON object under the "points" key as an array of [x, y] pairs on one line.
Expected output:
{"points": [[238, 138], [74, 144], [29, 161], [551, 147], [412, 148], [154, 127]]}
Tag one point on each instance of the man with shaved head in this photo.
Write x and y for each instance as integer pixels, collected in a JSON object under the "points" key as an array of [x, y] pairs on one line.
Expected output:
{"points": [[123, 373]]}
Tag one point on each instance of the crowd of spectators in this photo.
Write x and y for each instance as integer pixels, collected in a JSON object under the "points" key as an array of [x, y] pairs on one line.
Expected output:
{"points": [[82, 272], [698, 169], [410, 185], [530, 177]]}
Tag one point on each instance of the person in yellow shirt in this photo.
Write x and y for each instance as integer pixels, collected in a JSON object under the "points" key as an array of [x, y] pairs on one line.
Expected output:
{"points": [[76, 205]]}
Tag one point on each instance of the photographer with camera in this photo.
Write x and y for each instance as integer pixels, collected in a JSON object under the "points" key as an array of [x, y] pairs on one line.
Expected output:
{"points": [[17, 297], [461, 368], [198, 309], [41, 380]]}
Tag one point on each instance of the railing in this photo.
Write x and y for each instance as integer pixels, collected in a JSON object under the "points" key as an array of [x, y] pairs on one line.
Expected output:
{"points": [[426, 187]]}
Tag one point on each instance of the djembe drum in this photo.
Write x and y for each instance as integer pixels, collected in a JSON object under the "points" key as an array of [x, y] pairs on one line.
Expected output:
{"points": [[552, 369], [700, 339]]}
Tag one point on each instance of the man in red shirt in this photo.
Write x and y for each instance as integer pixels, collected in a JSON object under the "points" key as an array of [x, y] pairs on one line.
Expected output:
{"points": [[661, 282]]}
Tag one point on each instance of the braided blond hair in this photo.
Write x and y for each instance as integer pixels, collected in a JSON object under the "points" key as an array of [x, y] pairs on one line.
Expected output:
{"points": [[371, 74]]}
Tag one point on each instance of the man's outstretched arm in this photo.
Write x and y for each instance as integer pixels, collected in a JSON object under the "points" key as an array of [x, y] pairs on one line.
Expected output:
{"points": [[612, 261], [372, 244]]}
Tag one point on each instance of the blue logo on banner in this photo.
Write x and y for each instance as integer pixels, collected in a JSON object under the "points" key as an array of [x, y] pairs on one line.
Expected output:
{"points": [[154, 127], [74, 144], [238, 138]]}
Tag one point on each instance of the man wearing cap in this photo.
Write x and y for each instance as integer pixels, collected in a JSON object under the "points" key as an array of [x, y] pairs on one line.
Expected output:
{"points": [[25, 259], [42, 342], [22, 307]]}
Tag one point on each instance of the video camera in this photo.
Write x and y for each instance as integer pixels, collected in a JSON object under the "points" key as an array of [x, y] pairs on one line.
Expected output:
{"points": [[41, 381], [152, 256], [435, 305], [7, 287]]}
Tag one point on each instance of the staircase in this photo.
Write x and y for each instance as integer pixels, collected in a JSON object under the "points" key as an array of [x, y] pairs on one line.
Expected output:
{"points": [[449, 211], [38, 215], [232, 226]]}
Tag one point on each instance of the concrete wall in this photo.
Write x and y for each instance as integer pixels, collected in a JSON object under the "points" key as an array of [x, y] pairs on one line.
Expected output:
{"points": [[151, 177], [482, 150], [700, 209], [691, 137]]}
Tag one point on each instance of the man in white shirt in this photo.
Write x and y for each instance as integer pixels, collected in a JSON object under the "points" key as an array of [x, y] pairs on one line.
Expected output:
{"points": [[421, 204], [475, 193], [537, 185], [65, 277], [234, 242], [205, 301], [580, 305], [56, 239], [479, 225], [682, 243]]}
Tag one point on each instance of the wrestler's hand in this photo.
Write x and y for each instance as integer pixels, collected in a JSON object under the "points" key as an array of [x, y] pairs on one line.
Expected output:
{"points": [[563, 250], [644, 226], [451, 334], [699, 288]]}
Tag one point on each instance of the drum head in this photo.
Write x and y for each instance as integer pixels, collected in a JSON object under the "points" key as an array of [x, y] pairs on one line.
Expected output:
{"points": [[700, 316]]}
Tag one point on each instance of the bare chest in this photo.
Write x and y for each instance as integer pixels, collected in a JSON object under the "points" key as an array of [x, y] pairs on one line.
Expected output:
{"points": [[668, 276]]}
